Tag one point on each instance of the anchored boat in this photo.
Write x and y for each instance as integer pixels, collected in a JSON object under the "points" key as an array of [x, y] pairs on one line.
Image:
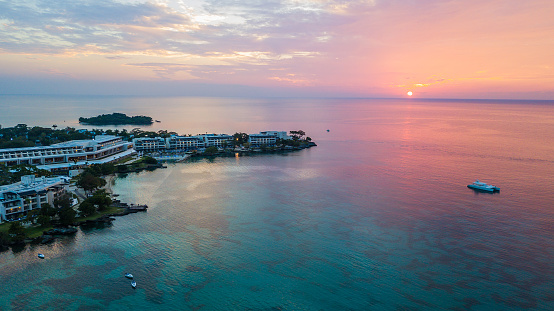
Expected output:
{"points": [[478, 185]]}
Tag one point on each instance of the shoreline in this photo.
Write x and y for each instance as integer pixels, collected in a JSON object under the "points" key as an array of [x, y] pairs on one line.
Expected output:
{"points": [[110, 181]]}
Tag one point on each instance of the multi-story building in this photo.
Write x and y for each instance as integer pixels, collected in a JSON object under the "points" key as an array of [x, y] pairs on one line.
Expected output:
{"points": [[149, 144], [16, 200], [258, 140], [276, 134], [70, 152], [200, 141], [266, 138], [184, 143], [215, 140]]}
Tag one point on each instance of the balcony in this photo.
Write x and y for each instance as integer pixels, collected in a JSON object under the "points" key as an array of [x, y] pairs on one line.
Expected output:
{"points": [[13, 210]]}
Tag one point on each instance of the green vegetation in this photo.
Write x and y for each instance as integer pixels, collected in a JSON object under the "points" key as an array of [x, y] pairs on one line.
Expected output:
{"points": [[61, 213], [117, 119], [297, 135], [107, 211], [150, 160], [66, 213], [141, 164], [211, 150], [100, 201], [12, 174], [16, 232], [23, 136], [89, 182], [240, 138]]}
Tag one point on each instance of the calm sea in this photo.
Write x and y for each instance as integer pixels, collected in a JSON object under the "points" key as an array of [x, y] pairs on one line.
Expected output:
{"points": [[376, 217]]}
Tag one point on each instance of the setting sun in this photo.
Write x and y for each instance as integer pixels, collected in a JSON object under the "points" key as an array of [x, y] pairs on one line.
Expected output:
{"points": [[409, 93]]}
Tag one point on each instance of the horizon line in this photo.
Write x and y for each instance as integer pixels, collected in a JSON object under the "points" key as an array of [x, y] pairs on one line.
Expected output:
{"points": [[292, 97]]}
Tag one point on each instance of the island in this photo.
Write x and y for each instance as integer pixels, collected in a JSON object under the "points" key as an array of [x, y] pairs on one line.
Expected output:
{"points": [[117, 119]]}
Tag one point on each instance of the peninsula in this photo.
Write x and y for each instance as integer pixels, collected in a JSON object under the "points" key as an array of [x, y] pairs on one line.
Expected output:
{"points": [[53, 180], [117, 119]]}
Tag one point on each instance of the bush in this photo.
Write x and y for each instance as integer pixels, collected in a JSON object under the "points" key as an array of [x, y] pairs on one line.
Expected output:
{"points": [[150, 160], [211, 150]]}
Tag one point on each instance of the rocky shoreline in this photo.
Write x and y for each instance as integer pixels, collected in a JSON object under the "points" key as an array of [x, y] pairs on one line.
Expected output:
{"points": [[106, 219], [58, 231]]}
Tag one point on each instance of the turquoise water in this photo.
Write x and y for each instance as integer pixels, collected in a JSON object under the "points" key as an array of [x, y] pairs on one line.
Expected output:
{"points": [[377, 217]]}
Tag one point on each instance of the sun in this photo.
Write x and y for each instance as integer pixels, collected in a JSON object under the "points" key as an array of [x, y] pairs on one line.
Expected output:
{"points": [[409, 93]]}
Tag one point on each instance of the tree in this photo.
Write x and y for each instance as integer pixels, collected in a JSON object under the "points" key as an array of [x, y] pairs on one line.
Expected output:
{"points": [[90, 182], [211, 150], [67, 215], [297, 135], [17, 232], [150, 160], [63, 201], [87, 209], [44, 220], [100, 199], [240, 138], [47, 210], [16, 228], [32, 215], [98, 170]]}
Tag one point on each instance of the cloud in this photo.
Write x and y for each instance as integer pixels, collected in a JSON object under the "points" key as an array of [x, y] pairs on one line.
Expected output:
{"points": [[113, 27], [357, 45], [165, 70], [116, 57]]}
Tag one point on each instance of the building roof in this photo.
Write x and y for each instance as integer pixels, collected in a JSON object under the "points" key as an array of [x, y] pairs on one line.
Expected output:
{"points": [[72, 143], [88, 162], [37, 185]]}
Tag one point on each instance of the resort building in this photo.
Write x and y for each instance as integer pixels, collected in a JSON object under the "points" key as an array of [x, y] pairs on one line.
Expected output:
{"points": [[276, 134], [215, 140], [184, 143], [258, 140], [16, 200], [181, 143], [266, 138], [201, 141], [149, 144], [70, 154]]}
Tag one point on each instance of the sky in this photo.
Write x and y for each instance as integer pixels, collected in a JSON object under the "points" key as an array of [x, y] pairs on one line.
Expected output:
{"points": [[322, 48]]}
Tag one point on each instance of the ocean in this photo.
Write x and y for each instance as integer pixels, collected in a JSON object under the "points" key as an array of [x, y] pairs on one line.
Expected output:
{"points": [[376, 217]]}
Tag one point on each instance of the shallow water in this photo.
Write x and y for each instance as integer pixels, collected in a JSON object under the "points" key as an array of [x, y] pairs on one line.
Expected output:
{"points": [[377, 217]]}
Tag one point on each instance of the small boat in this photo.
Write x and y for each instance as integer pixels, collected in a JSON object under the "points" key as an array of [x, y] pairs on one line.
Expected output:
{"points": [[134, 284], [128, 275], [478, 185], [41, 256]]}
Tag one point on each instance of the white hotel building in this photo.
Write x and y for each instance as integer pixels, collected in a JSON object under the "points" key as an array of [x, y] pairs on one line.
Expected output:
{"points": [[70, 154], [182, 143], [186, 143], [29, 194], [266, 138]]}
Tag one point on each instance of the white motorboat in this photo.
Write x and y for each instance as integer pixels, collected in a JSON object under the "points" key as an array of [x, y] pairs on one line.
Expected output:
{"points": [[128, 275], [478, 185], [134, 284], [41, 256]]}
